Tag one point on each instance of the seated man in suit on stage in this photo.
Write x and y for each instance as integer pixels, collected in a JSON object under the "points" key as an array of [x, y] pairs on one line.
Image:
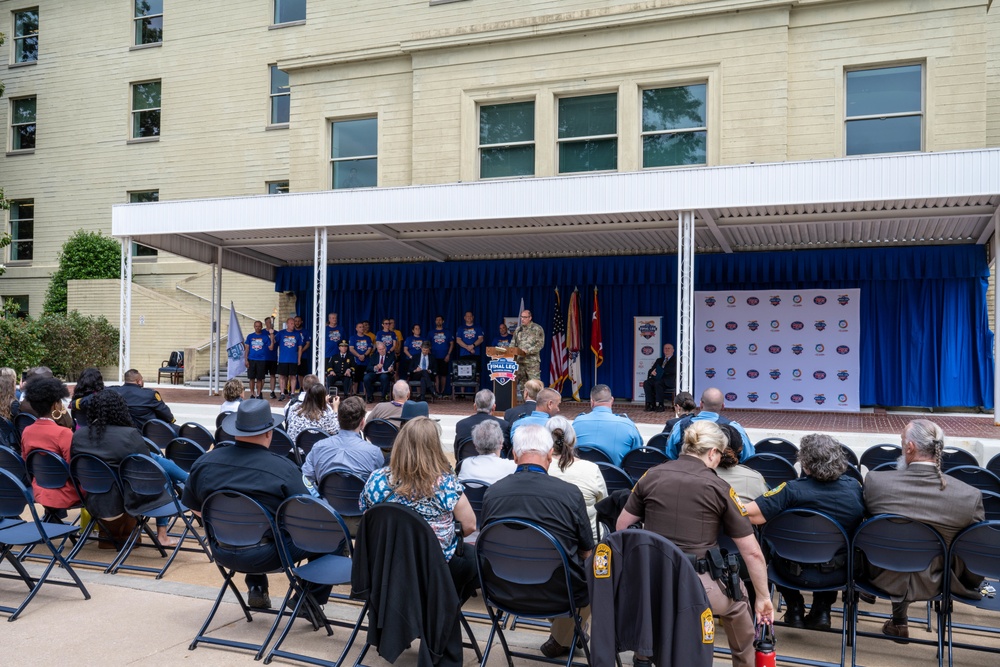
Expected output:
{"points": [[422, 370], [531, 389], [485, 402], [661, 380], [381, 366]]}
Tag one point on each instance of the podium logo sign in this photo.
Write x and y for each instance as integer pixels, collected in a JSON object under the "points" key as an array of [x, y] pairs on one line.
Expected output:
{"points": [[502, 370]]}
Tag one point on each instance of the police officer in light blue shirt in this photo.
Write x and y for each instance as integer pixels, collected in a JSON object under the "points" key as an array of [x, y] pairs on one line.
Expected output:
{"points": [[615, 435]]}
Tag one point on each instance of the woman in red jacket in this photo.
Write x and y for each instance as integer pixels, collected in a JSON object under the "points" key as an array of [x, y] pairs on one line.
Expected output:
{"points": [[46, 396]]}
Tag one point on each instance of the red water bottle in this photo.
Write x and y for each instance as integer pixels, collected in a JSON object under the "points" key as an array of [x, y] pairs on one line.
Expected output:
{"points": [[764, 655]]}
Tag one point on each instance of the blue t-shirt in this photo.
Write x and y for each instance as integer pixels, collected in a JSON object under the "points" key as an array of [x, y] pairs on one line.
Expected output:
{"points": [[305, 335], [468, 335], [440, 341], [360, 344], [503, 341], [387, 337], [288, 344], [257, 344], [413, 344], [333, 336], [270, 355]]}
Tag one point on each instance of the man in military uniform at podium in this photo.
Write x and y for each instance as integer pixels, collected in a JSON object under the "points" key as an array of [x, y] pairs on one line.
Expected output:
{"points": [[528, 341]]}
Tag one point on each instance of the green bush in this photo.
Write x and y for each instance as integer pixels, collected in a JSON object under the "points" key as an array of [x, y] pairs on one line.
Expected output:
{"points": [[84, 256], [20, 345], [66, 343]]}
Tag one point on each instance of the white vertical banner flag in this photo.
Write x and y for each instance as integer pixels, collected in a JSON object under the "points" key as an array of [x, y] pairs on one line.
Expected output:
{"points": [[784, 349], [234, 353], [647, 333]]}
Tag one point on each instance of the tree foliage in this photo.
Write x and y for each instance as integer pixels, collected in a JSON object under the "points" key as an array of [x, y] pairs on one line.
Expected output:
{"points": [[84, 256], [20, 346], [66, 343]]}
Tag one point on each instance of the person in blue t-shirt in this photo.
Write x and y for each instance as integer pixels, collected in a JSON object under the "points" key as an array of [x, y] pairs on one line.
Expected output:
{"points": [[289, 344], [470, 340], [334, 334], [387, 336], [272, 354], [255, 350], [503, 340], [442, 344], [305, 363], [361, 348], [411, 346]]}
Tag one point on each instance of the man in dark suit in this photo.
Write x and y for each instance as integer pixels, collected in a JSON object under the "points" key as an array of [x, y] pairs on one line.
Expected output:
{"points": [[485, 403], [661, 380], [422, 370], [531, 389], [381, 367], [919, 491]]}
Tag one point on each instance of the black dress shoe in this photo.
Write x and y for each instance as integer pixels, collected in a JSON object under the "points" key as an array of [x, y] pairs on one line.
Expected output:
{"points": [[553, 649], [795, 616], [818, 619], [257, 598], [900, 632]]}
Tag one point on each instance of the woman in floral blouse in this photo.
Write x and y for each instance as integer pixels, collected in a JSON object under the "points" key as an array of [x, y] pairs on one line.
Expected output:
{"points": [[313, 412]]}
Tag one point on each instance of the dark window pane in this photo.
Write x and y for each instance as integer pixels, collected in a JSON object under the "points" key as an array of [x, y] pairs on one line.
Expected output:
{"points": [[355, 174], [144, 197], [289, 10], [588, 116], [22, 250], [149, 30], [22, 210], [673, 108], [502, 123], [22, 229], [669, 150], [874, 92], [146, 124], [280, 109], [355, 137], [148, 7], [24, 110], [277, 188], [139, 250], [146, 96], [598, 155], [26, 36], [26, 50], [505, 162], [279, 81], [883, 135], [24, 137]]}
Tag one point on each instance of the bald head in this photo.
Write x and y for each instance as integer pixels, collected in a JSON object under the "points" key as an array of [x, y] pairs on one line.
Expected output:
{"points": [[400, 391], [712, 400]]}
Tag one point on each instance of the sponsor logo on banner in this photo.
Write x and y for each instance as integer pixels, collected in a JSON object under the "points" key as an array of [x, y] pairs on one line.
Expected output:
{"points": [[820, 399], [710, 325], [731, 396], [709, 301], [819, 348], [843, 349], [774, 396], [731, 326], [731, 372], [752, 374], [730, 299], [843, 299], [797, 326], [842, 324], [775, 374], [819, 375], [796, 349], [648, 329], [752, 301], [502, 370], [797, 373], [775, 300], [842, 398], [753, 396], [752, 325], [819, 300], [796, 398], [710, 373], [753, 348], [710, 349], [820, 325], [843, 375], [775, 325], [797, 299], [731, 349], [774, 349], [647, 350]]}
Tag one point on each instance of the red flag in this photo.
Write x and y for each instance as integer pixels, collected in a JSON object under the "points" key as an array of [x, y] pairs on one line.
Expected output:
{"points": [[559, 359], [596, 341]]}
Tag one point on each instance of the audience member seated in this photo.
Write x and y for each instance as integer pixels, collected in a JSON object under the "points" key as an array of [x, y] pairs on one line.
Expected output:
{"points": [[584, 475], [232, 392], [419, 477], [422, 369], [7, 411], [394, 408], [111, 437], [919, 491], [347, 450], [615, 435], [308, 381], [381, 367], [825, 488], [712, 405], [530, 389], [748, 483], [46, 397], [485, 402], [555, 505], [546, 405], [144, 404], [684, 406], [487, 466], [62, 417], [313, 412], [89, 383]]}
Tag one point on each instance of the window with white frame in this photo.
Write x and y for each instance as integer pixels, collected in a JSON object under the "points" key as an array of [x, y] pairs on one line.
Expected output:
{"points": [[145, 109], [281, 96], [277, 187], [355, 153], [884, 110], [148, 22], [289, 11], [139, 250], [507, 140], [674, 126], [22, 230], [26, 35], [22, 124], [588, 133]]}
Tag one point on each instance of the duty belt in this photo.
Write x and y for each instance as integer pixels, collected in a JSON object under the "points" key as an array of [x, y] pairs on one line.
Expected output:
{"points": [[700, 564]]}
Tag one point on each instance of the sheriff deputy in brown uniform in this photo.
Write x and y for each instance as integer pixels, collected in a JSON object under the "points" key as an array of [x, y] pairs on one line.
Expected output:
{"points": [[686, 502]]}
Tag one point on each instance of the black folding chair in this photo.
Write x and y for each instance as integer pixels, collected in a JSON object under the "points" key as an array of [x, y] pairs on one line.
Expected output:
{"points": [[993, 465], [991, 504], [851, 457], [197, 433], [9, 435], [897, 544], [594, 455], [876, 455], [464, 450], [15, 499], [978, 547], [658, 441], [381, 433], [952, 457], [313, 527], [779, 446], [809, 537], [475, 489], [981, 478], [50, 471], [615, 478], [153, 447], [773, 468], [638, 461], [143, 476], [281, 444], [342, 490], [12, 462], [91, 475], [305, 441], [519, 560], [854, 474], [22, 420], [221, 418], [159, 432], [184, 452]]}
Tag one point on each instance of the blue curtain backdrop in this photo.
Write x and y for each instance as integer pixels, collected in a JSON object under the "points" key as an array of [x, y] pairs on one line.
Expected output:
{"points": [[925, 338]]}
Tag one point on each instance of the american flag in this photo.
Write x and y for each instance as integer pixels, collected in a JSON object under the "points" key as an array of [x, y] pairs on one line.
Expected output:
{"points": [[559, 361]]}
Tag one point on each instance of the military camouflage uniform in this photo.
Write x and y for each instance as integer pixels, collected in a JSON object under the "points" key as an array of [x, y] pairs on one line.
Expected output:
{"points": [[529, 337]]}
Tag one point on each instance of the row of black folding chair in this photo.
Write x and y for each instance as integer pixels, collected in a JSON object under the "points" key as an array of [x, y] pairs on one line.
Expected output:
{"points": [[161, 433], [790, 452]]}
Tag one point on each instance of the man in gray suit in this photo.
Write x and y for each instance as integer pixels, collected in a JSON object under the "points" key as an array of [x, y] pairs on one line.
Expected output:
{"points": [[919, 491]]}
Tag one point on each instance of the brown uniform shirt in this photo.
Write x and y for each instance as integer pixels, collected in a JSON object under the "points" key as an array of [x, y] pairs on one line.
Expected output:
{"points": [[686, 502]]}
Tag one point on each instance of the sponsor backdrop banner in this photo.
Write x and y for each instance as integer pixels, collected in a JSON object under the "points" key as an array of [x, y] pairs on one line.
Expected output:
{"points": [[785, 349], [646, 334]]}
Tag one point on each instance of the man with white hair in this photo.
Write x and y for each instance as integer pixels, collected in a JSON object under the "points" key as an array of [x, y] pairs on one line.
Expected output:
{"points": [[392, 410], [558, 506], [485, 402], [487, 466]]}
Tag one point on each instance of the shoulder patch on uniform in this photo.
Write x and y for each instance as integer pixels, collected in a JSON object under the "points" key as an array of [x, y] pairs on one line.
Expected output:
{"points": [[707, 627], [157, 395], [776, 490], [736, 499], [602, 562]]}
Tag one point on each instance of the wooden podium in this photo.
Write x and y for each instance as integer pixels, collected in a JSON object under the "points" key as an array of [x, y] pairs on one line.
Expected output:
{"points": [[506, 391]]}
